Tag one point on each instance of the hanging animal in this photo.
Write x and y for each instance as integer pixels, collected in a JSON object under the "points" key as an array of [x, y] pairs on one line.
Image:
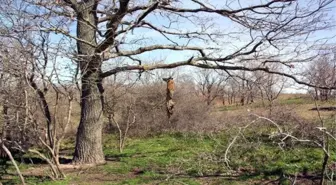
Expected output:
{"points": [[169, 96]]}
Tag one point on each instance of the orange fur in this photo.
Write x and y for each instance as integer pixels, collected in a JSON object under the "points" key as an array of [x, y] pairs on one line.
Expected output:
{"points": [[170, 93], [171, 86]]}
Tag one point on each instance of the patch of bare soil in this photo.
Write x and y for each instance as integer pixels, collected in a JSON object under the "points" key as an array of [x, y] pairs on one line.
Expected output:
{"points": [[87, 174]]}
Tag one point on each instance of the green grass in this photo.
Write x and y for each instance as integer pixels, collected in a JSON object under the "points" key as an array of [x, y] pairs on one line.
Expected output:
{"points": [[271, 160], [259, 104], [156, 158], [180, 158], [280, 101], [36, 180], [294, 100], [155, 154], [197, 155]]}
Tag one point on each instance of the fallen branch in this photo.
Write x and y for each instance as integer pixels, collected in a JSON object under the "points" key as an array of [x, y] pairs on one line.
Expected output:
{"points": [[13, 161]]}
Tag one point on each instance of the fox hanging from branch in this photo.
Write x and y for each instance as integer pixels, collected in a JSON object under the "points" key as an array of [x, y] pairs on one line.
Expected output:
{"points": [[169, 96]]}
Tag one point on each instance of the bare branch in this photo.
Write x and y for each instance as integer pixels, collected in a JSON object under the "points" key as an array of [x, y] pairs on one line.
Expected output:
{"points": [[156, 47], [112, 26]]}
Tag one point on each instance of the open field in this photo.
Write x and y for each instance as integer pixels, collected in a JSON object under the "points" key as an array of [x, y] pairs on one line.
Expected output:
{"points": [[201, 158]]}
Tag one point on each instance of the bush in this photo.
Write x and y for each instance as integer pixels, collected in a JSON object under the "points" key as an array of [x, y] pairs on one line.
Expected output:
{"points": [[148, 102]]}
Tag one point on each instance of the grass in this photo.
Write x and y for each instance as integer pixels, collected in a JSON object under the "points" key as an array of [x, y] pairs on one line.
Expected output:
{"points": [[158, 153], [35, 180], [189, 158], [184, 158], [284, 99], [269, 160], [193, 156]]}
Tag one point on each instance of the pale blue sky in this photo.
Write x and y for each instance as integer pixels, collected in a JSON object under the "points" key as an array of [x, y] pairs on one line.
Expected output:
{"points": [[221, 25]]}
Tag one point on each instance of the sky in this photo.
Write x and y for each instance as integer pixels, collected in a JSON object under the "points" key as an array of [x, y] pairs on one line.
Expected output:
{"points": [[224, 26], [231, 36]]}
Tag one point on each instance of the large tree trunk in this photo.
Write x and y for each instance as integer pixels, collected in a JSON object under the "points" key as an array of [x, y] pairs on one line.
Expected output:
{"points": [[89, 135]]}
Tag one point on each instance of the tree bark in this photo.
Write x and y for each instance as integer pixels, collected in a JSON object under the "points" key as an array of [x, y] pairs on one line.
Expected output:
{"points": [[89, 134]]}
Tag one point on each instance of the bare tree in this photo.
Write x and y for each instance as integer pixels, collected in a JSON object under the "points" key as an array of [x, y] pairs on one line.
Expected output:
{"points": [[241, 85], [37, 116], [210, 84], [109, 30], [270, 86], [119, 107], [6, 120], [232, 90], [128, 118], [115, 92], [322, 72]]}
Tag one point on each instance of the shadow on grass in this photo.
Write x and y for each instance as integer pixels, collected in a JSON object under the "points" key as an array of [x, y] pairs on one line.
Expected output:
{"points": [[30, 179], [3, 168], [9, 176], [37, 160], [118, 156], [260, 177]]}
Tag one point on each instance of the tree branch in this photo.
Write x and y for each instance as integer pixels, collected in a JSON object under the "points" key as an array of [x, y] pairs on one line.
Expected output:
{"points": [[225, 12], [130, 10], [112, 26], [156, 47], [193, 62]]}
